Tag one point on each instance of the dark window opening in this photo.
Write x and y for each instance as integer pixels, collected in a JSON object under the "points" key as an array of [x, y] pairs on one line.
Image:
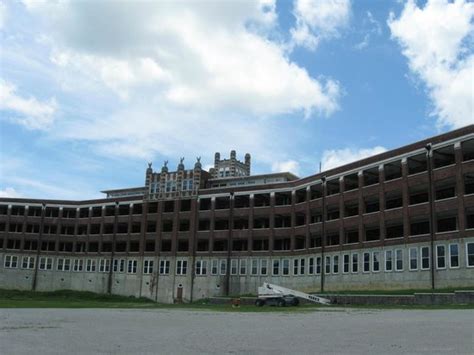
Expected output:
{"points": [[95, 229], [166, 245], [106, 247], [96, 211], [352, 237], [393, 200], [316, 191], [372, 233], [84, 212], [184, 226], [82, 229], [151, 227], [167, 226], [371, 176], [261, 223], [203, 245], [446, 224], [443, 156], [393, 170], [221, 224], [333, 187], [351, 182], [239, 245], [3, 227], [470, 218], [122, 228], [108, 228], [168, 206], [241, 223], [65, 247], [242, 201], [260, 244], [3, 209], [372, 204], [80, 247], [16, 228], [134, 247], [124, 210], [34, 228], [282, 221], [282, 244], [332, 239], [467, 148], [418, 194], [315, 241], [185, 205], [300, 195], [93, 247], [220, 245], [204, 225], [417, 164], [137, 208], [222, 203], [333, 213], [351, 209], [300, 242], [30, 245], [419, 227], [69, 213], [67, 230], [48, 245], [153, 207], [136, 227], [150, 246], [469, 184], [445, 189], [316, 216], [300, 219], [110, 210], [204, 204], [261, 200], [20, 211], [34, 211], [282, 198], [51, 212], [121, 247], [394, 231]]}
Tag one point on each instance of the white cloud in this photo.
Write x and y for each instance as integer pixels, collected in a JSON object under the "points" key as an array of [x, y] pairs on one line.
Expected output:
{"points": [[29, 112], [291, 166], [9, 192], [3, 14], [318, 19], [437, 40], [373, 28], [338, 157]]}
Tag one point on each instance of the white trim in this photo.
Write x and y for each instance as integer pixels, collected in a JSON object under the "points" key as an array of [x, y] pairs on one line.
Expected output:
{"points": [[445, 254], [458, 256], [467, 254]]}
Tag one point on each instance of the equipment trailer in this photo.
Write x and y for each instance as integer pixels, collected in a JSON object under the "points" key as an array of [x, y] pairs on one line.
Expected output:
{"points": [[275, 295]]}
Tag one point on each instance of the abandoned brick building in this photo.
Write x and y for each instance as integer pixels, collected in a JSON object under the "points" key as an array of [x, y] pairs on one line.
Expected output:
{"points": [[400, 219]]}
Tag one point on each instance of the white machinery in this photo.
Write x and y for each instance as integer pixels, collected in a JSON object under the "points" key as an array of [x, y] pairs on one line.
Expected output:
{"points": [[281, 296]]}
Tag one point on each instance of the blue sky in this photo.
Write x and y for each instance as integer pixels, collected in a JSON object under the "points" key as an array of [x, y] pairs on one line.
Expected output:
{"points": [[91, 91]]}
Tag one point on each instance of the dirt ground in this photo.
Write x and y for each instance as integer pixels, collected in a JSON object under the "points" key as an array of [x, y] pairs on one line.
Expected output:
{"points": [[171, 331]]}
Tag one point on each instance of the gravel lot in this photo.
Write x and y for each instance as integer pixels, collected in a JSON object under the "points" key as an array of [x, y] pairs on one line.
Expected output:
{"points": [[129, 331]]}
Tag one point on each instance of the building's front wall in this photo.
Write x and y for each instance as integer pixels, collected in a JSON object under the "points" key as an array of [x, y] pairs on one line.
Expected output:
{"points": [[291, 221]]}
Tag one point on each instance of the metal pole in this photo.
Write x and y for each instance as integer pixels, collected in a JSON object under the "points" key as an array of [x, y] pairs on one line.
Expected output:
{"points": [[112, 254], [38, 247], [323, 231], [432, 218]]}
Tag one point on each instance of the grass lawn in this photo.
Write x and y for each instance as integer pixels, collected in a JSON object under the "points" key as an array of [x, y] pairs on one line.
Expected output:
{"points": [[81, 299]]}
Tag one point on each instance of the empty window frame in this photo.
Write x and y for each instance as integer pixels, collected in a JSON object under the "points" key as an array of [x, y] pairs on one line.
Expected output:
{"points": [[393, 199], [398, 260], [413, 255], [234, 267], [346, 262], [327, 264], [285, 267], [333, 187], [335, 264], [441, 257], [215, 267], [418, 194], [276, 267], [351, 208], [243, 267], [311, 266], [394, 229], [372, 233], [318, 265], [316, 191], [467, 148], [333, 213], [375, 261], [254, 267], [443, 156], [371, 176], [468, 184], [355, 263], [446, 222], [419, 227], [445, 189], [351, 182], [222, 267], [222, 203], [263, 267], [352, 236], [332, 238], [417, 164], [454, 256], [283, 198], [282, 244], [366, 261], [393, 170], [425, 258], [261, 200], [371, 204]]}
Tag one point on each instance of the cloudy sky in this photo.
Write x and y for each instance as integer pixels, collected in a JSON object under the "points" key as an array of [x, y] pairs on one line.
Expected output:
{"points": [[90, 91]]}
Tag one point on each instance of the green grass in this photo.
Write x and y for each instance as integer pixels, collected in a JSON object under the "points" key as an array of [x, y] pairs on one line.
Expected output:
{"points": [[81, 299]]}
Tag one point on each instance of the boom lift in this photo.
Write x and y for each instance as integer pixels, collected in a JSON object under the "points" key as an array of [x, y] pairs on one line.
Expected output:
{"points": [[281, 296]]}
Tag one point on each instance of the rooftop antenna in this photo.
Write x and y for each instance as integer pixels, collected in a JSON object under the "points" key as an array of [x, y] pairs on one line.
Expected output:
{"points": [[320, 166]]}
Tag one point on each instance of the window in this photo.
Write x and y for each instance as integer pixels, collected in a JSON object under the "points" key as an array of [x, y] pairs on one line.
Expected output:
{"points": [[78, 265], [119, 265], [28, 262], [375, 261], [234, 264], [11, 261], [285, 263], [46, 263], [318, 265], [243, 267], [214, 267], [263, 267], [302, 266], [90, 265], [413, 258], [453, 255], [181, 267], [311, 266], [399, 260], [470, 254], [355, 263], [346, 263], [104, 265], [366, 262], [164, 267], [335, 264], [327, 265], [296, 268], [63, 264], [276, 267], [148, 266], [223, 267], [388, 260], [425, 258], [132, 266], [440, 257], [254, 267], [201, 267]]}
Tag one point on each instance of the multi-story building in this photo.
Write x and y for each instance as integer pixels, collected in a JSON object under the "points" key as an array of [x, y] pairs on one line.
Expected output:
{"points": [[400, 219]]}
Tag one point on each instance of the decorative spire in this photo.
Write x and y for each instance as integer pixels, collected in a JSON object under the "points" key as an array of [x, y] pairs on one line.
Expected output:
{"points": [[198, 163], [164, 169], [181, 165]]}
